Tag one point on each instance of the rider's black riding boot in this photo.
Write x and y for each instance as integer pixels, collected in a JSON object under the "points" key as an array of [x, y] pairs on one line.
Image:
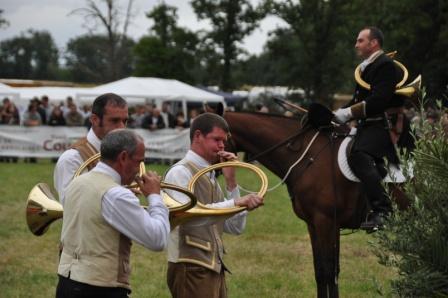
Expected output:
{"points": [[364, 167]]}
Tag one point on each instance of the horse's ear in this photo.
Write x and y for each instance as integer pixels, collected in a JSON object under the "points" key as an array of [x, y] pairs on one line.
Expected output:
{"points": [[220, 109]]}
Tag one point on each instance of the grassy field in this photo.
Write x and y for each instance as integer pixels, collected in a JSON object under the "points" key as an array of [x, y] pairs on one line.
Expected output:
{"points": [[271, 259]]}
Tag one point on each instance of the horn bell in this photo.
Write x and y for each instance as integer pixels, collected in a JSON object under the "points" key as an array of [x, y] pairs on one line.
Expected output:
{"points": [[411, 90], [42, 209]]}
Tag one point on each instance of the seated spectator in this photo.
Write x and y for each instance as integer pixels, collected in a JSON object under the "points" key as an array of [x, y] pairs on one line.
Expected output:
{"points": [[56, 117], [86, 111], [66, 106], [44, 109], [9, 113], [32, 116], [137, 117], [191, 115], [181, 122], [154, 121], [74, 117], [168, 118]]}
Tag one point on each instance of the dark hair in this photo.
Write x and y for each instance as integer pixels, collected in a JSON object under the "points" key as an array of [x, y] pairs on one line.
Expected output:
{"points": [[376, 33], [206, 122], [117, 141], [101, 101]]}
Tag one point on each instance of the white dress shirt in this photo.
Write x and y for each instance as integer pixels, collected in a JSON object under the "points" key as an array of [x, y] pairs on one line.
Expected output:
{"points": [[181, 176], [122, 210], [68, 163]]}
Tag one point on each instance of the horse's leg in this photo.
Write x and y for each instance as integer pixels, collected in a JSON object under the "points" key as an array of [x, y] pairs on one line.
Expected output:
{"points": [[325, 244]]}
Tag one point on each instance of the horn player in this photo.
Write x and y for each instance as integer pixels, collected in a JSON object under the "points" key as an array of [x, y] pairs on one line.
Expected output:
{"points": [[195, 249], [109, 112], [102, 217], [372, 109]]}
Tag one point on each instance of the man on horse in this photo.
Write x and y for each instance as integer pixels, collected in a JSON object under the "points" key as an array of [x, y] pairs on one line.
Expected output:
{"points": [[371, 110]]}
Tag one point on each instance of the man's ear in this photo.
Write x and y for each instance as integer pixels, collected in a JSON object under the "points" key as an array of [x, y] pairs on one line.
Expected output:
{"points": [[122, 156], [197, 133], [95, 120]]}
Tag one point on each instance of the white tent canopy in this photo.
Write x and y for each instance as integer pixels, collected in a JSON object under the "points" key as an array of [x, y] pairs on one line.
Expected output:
{"points": [[138, 90], [6, 91], [134, 89], [55, 94]]}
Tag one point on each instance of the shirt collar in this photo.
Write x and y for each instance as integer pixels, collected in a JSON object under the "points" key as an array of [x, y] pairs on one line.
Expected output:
{"points": [[200, 162], [370, 60], [94, 140], [102, 167], [195, 158]]}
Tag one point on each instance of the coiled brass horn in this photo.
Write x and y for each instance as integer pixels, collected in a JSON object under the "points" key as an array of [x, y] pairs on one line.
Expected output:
{"points": [[200, 210], [409, 90], [42, 208]]}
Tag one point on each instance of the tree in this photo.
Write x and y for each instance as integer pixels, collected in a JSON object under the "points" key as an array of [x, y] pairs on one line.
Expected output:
{"points": [[32, 55], [324, 41], [168, 51], [415, 241], [110, 20], [3, 22], [231, 21], [87, 58]]}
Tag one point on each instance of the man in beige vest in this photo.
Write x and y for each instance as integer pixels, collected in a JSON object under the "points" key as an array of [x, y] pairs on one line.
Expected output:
{"points": [[195, 249], [109, 112], [101, 217]]}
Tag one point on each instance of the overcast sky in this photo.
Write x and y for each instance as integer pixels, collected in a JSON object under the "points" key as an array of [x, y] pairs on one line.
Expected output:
{"points": [[53, 16]]}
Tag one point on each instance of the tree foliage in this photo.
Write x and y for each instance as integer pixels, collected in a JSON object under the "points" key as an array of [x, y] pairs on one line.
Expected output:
{"points": [[416, 240], [114, 20], [231, 21], [321, 47], [169, 51], [3, 22], [32, 55], [87, 58]]}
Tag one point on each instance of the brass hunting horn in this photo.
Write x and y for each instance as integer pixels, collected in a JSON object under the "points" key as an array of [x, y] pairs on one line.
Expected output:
{"points": [[200, 210], [408, 91], [42, 208]]}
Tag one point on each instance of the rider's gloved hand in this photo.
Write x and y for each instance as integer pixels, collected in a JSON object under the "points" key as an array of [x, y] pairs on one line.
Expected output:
{"points": [[343, 115]]}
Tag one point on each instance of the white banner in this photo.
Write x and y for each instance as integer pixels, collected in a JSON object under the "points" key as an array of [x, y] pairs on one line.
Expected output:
{"points": [[49, 141]]}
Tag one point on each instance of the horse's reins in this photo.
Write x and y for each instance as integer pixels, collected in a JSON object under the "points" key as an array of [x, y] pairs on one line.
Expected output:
{"points": [[272, 148], [293, 165]]}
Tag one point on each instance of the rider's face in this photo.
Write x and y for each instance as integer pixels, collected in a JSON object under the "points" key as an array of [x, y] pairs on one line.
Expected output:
{"points": [[364, 45]]}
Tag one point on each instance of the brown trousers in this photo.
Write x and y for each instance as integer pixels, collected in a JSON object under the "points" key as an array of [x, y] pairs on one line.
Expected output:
{"points": [[187, 280]]}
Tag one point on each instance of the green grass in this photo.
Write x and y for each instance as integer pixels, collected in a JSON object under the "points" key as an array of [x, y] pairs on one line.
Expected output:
{"points": [[271, 259]]}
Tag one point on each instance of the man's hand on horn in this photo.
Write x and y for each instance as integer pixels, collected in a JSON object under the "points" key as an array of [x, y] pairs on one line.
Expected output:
{"points": [[229, 172]]}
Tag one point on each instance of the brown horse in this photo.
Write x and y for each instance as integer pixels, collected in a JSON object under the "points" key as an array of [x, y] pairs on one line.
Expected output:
{"points": [[319, 192]]}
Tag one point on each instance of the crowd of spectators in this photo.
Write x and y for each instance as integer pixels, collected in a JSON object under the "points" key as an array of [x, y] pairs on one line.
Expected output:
{"points": [[40, 112], [152, 118]]}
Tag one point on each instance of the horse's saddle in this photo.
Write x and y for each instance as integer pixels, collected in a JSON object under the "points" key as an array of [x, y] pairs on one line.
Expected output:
{"points": [[394, 173]]}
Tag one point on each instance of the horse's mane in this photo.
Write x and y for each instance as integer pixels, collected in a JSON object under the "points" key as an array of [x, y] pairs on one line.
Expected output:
{"points": [[263, 114]]}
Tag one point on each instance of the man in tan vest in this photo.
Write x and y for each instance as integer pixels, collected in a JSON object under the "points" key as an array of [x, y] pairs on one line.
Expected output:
{"points": [[195, 249], [101, 217], [109, 112]]}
